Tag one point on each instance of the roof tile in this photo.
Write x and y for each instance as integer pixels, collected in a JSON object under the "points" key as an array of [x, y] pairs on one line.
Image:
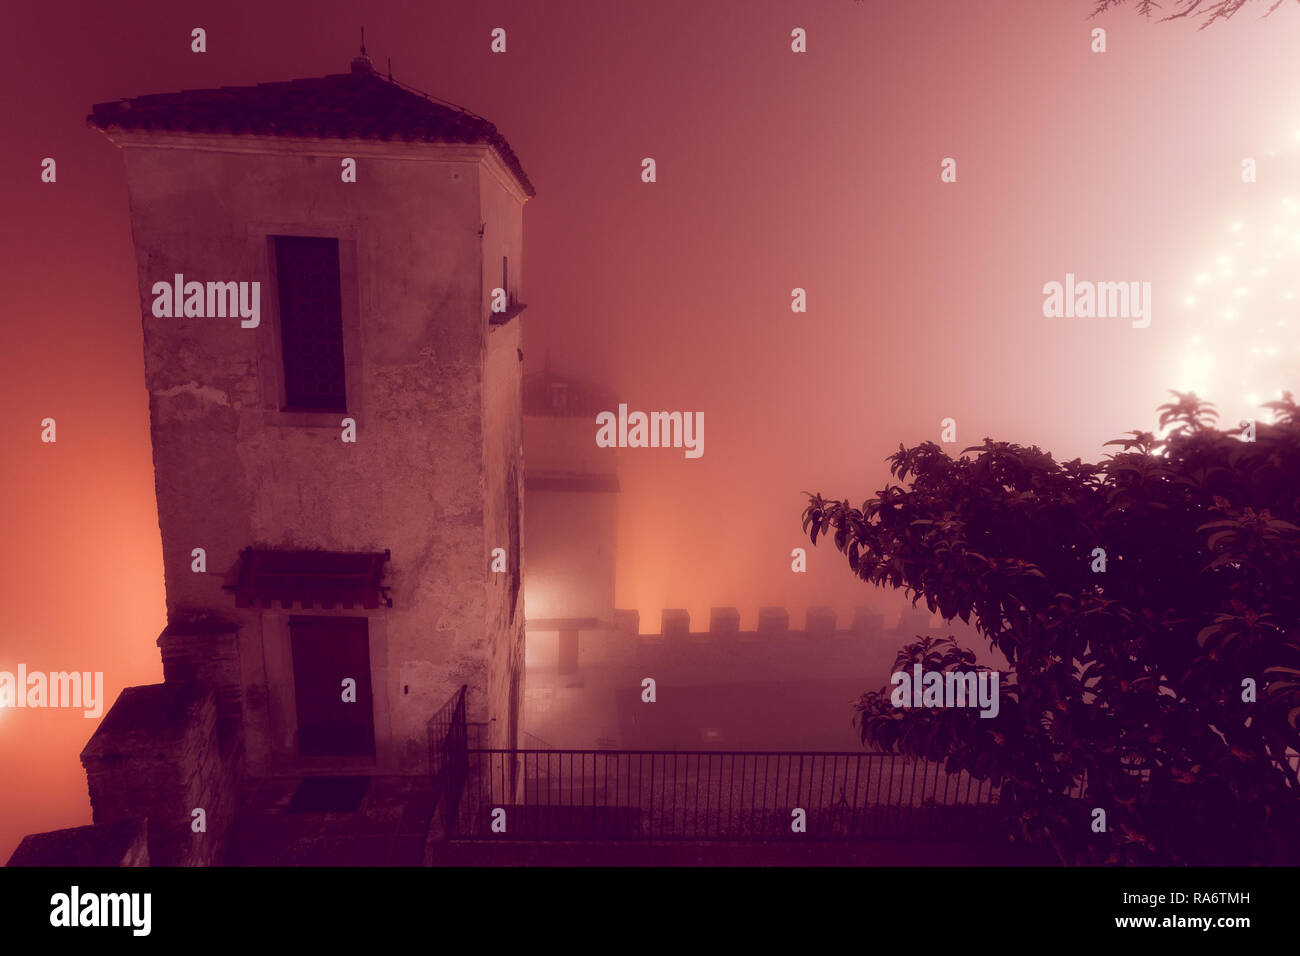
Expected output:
{"points": [[360, 104]]}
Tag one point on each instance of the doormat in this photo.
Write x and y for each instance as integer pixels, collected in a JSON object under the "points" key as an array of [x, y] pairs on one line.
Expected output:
{"points": [[329, 795]]}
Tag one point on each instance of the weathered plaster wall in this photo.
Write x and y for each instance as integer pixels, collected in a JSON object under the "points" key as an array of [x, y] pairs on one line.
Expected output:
{"points": [[503, 464], [423, 476]]}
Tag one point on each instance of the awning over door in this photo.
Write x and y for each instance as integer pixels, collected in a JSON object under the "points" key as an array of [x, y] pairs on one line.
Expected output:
{"points": [[309, 579]]}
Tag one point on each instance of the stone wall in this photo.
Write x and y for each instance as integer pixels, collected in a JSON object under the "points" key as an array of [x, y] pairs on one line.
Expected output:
{"points": [[158, 755], [108, 844], [502, 455], [580, 709], [206, 650]]}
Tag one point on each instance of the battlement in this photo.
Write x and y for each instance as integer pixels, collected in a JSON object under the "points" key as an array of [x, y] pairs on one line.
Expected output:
{"points": [[771, 649], [820, 622], [717, 676]]}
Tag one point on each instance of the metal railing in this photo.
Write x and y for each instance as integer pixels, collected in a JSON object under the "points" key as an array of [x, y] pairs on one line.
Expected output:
{"points": [[548, 794], [449, 752], [715, 795]]}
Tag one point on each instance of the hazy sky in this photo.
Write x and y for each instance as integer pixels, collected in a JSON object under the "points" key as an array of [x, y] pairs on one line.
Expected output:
{"points": [[775, 171]]}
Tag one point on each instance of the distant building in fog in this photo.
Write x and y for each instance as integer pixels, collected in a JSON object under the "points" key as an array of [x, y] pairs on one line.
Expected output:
{"points": [[572, 490], [572, 519]]}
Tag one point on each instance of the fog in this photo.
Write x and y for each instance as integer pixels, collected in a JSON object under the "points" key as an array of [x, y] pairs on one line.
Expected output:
{"points": [[774, 172]]}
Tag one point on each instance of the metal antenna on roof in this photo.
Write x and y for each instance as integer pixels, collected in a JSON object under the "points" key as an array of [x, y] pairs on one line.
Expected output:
{"points": [[390, 69], [361, 65]]}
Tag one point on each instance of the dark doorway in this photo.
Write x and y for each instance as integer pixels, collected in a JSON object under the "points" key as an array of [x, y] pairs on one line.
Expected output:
{"points": [[326, 651]]}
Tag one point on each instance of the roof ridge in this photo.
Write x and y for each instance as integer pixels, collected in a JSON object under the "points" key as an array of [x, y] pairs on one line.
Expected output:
{"points": [[343, 105]]}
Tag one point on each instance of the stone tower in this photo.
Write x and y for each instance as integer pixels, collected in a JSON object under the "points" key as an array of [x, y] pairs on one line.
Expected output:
{"points": [[329, 273]]}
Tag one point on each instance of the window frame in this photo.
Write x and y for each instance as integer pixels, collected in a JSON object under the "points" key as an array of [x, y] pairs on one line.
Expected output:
{"points": [[270, 345], [322, 248]]}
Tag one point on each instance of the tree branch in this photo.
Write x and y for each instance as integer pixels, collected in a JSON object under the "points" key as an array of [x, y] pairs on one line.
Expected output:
{"points": [[1215, 10]]}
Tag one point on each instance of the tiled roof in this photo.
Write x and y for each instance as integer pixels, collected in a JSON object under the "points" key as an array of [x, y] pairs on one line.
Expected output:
{"points": [[360, 104]]}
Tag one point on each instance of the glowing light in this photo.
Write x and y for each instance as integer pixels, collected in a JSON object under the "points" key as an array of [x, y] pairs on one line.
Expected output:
{"points": [[1197, 366], [1216, 360]]}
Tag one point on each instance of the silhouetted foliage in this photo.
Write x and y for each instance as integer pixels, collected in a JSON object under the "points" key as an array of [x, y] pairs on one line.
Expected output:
{"points": [[1208, 10], [1133, 676]]}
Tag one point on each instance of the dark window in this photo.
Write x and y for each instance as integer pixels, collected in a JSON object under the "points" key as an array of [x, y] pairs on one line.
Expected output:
{"points": [[559, 397], [311, 323]]}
